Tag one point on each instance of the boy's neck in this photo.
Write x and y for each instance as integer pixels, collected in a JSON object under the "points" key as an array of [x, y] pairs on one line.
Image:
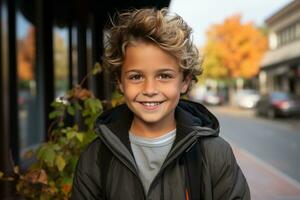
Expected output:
{"points": [[151, 130]]}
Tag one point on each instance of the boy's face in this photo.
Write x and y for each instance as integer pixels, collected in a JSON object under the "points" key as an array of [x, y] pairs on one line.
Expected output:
{"points": [[151, 81]]}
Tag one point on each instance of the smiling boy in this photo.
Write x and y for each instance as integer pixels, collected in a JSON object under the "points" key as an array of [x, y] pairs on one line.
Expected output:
{"points": [[156, 146], [152, 82]]}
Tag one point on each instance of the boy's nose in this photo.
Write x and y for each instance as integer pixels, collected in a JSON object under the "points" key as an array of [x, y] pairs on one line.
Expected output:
{"points": [[149, 88]]}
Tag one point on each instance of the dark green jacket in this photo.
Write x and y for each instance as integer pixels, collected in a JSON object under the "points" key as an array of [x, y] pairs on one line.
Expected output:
{"points": [[221, 176]]}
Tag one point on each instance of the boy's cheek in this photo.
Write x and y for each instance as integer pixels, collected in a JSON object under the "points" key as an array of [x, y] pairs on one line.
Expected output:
{"points": [[130, 93]]}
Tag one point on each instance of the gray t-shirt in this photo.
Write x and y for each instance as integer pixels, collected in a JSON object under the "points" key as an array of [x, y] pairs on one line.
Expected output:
{"points": [[149, 154]]}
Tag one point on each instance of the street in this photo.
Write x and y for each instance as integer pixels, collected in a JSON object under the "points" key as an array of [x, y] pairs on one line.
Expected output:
{"points": [[266, 150]]}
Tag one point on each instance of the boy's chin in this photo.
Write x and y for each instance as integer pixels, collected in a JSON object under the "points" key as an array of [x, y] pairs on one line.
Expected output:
{"points": [[149, 120]]}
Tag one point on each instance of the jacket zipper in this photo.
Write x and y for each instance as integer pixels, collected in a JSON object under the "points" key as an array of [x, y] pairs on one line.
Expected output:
{"points": [[188, 145]]}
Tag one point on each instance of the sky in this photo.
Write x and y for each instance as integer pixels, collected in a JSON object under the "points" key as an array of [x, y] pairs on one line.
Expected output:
{"points": [[201, 14]]}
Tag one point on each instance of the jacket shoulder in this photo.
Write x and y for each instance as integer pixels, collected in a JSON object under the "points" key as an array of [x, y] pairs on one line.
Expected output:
{"points": [[227, 179], [217, 148], [90, 154], [215, 142], [217, 154], [87, 176]]}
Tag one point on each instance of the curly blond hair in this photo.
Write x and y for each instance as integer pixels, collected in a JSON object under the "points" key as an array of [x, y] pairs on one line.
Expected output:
{"points": [[170, 32]]}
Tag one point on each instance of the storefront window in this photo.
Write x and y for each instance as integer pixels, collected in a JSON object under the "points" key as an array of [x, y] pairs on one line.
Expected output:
{"points": [[60, 52], [30, 130]]}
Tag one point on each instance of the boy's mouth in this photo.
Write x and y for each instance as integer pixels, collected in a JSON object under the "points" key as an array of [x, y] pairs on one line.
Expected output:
{"points": [[151, 103]]}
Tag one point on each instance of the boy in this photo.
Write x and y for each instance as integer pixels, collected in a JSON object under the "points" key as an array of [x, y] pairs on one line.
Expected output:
{"points": [[156, 146]]}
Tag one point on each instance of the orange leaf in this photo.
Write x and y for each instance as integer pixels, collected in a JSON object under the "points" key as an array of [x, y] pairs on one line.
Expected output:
{"points": [[66, 188]]}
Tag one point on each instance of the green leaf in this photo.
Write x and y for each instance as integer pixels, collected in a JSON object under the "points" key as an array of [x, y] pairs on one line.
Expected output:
{"points": [[62, 140], [79, 136], [56, 104], [70, 135], [75, 127], [71, 110], [55, 114], [85, 113], [77, 106], [49, 156], [56, 147], [88, 121], [60, 163], [73, 162], [92, 106], [40, 152], [97, 69]]}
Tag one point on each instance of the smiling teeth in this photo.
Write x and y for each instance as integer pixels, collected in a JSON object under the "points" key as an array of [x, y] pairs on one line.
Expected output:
{"points": [[151, 103]]}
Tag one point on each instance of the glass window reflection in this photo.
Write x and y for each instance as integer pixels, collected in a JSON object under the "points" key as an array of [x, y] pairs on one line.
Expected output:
{"points": [[30, 134], [61, 70]]}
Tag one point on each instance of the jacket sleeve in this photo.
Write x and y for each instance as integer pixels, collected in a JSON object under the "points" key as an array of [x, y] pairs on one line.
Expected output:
{"points": [[228, 180], [87, 181]]}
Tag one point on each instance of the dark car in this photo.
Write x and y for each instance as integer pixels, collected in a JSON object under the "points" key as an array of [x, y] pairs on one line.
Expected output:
{"points": [[278, 104]]}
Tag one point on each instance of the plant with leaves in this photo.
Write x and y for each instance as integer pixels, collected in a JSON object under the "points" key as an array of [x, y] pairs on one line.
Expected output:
{"points": [[74, 116]]}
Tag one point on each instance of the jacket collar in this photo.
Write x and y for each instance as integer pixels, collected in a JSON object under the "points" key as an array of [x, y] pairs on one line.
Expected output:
{"points": [[190, 117]]}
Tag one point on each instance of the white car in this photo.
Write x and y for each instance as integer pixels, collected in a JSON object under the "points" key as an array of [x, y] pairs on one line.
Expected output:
{"points": [[247, 98], [213, 98]]}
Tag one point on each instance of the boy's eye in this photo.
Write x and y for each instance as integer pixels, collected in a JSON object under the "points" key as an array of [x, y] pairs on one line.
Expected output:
{"points": [[165, 76], [135, 77]]}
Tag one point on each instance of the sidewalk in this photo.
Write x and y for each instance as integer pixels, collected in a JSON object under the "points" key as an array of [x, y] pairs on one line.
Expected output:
{"points": [[265, 182]]}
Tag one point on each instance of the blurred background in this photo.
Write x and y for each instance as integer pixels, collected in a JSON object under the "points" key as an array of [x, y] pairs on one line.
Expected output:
{"points": [[251, 59]]}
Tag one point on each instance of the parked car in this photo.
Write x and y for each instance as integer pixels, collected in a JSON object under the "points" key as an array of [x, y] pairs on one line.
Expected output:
{"points": [[213, 98], [197, 94], [247, 98], [278, 104]]}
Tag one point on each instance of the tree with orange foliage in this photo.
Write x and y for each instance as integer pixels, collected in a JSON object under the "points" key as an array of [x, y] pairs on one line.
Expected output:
{"points": [[26, 56], [233, 49]]}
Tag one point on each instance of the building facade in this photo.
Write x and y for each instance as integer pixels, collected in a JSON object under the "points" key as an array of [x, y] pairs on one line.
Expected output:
{"points": [[280, 68]]}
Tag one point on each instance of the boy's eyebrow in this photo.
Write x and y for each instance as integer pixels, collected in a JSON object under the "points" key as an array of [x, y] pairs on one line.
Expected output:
{"points": [[133, 70], [159, 71], [167, 69]]}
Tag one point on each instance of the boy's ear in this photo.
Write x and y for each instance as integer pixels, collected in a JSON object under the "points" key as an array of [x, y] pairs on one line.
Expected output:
{"points": [[120, 86], [186, 84]]}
